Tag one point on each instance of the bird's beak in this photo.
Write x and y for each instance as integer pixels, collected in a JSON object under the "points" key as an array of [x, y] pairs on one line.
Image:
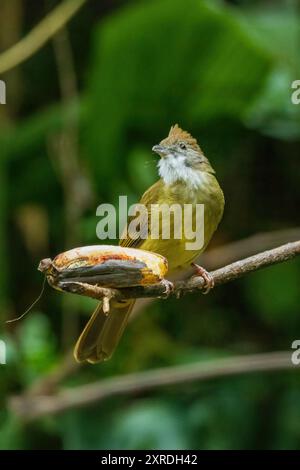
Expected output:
{"points": [[161, 150]]}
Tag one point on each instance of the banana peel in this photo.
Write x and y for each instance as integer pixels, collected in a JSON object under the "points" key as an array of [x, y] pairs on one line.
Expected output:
{"points": [[105, 266]]}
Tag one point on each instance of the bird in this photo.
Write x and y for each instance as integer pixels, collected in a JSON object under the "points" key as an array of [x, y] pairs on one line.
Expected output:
{"points": [[186, 177]]}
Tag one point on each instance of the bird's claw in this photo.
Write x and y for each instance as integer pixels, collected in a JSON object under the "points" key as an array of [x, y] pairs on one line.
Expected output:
{"points": [[209, 282], [169, 288]]}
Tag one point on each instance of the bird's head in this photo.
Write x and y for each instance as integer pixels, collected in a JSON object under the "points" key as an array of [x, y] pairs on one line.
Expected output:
{"points": [[181, 158]]}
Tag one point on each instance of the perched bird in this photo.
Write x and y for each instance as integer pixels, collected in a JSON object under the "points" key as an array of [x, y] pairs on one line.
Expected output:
{"points": [[186, 177]]}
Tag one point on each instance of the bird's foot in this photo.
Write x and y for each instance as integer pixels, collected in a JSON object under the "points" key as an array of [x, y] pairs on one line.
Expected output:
{"points": [[209, 282], [169, 288]]}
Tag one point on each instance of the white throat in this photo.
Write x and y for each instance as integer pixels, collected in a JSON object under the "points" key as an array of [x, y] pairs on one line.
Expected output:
{"points": [[172, 169]]}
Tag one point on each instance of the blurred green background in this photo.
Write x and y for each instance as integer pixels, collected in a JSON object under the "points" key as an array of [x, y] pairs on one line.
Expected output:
{"points": [[81, 117]]}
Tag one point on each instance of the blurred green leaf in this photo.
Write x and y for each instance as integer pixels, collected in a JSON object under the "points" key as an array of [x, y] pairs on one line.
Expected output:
{"points": [[277, 30], [274, 295], [208, 69], [150, 425], [11, 432], [37, 346]]}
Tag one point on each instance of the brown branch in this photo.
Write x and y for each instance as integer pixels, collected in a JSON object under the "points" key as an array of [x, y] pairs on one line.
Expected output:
{"points": [[239, 249], [39, 35], [195, 283], [228, 253], [29, 408]]}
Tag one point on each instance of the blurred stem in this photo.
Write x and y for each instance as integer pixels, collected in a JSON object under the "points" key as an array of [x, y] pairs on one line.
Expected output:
{"points": [[225, 254], [39, 35], [10, 27], [29, 408], [77, 192], [11, 20], [4, 273], [67, 149]]}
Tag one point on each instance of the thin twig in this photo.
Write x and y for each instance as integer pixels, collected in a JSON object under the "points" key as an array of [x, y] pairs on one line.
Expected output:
{"points": [[228, 253], [29, 408], [39, 35], [239, 249]]}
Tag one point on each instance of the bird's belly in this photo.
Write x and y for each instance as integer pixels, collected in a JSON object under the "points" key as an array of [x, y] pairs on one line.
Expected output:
{"points": [[174, 250], [181, 249]]}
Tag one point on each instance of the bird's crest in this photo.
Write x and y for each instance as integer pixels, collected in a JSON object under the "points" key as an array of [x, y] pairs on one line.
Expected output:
{"points": [[177, 134]]}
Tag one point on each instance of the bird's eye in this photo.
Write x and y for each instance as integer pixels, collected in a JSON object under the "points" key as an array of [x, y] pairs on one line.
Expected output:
{"points": [[182, 146]]}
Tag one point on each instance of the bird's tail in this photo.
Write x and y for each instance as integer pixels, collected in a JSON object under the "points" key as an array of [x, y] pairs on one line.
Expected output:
{"points": [[103, 332]]}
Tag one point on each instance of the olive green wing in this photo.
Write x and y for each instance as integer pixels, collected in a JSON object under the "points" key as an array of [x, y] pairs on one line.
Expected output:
{"points": [[134, 239]]}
